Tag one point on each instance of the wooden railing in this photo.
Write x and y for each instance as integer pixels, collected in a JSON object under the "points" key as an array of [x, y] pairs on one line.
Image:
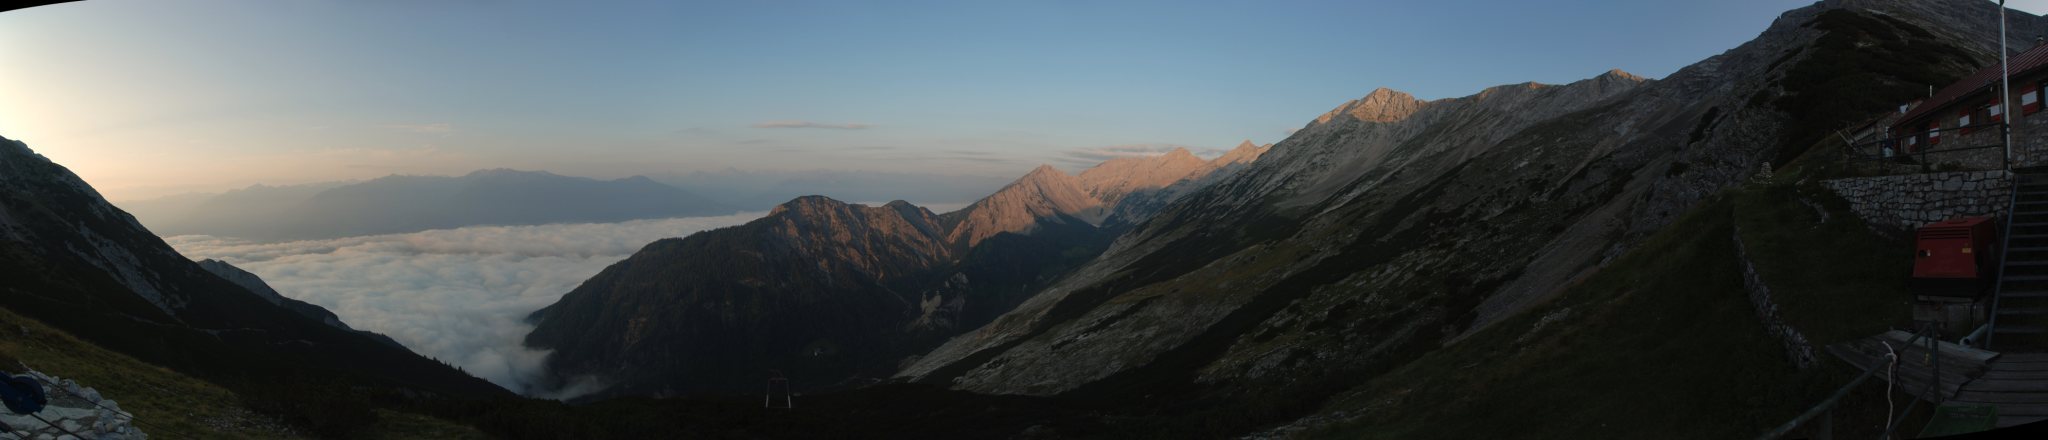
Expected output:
{"points": [[1892, 149], [1824, 410]]}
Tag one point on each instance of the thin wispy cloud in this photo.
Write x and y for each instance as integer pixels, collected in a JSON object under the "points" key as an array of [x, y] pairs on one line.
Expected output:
{"points": [[810, 124], [435, 127], [983, 159]]}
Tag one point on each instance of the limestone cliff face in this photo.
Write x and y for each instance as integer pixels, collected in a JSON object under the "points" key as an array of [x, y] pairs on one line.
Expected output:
{"points": [[1044, 193], [1116, 178], [1139, 204], [1391, 225], [1382, 105], [1243, 154], [893, 240], [1215, 251]]}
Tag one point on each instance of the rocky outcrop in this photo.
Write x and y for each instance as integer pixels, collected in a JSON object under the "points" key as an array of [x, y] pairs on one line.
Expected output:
{"points": [[72, 409]]}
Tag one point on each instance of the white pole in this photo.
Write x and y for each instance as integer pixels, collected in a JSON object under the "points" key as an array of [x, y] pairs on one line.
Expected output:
{"points": [[2004, 87]]}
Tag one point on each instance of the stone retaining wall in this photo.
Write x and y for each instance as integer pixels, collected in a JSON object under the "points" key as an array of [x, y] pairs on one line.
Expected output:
{"points": [[1796, 346], [1910, 201]]}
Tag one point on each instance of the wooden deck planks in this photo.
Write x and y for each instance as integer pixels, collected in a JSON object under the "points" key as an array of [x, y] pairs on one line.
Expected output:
{"points": [[2014, 375], [2025, 357], [2038, 367], [1998, 398], [2016, 383], [2011, 421], [2007, 386], [2022, 409], [1959, 365]]}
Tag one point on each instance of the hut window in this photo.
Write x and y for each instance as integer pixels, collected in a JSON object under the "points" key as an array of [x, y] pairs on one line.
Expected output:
{"points": [[2030, 101]]}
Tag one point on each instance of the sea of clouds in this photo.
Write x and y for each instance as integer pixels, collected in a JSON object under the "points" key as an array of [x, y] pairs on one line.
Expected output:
{"points": [[458, 295]]}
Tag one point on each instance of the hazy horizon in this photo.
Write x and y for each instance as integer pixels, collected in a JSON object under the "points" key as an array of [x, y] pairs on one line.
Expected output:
{"points": [[305, 92]]}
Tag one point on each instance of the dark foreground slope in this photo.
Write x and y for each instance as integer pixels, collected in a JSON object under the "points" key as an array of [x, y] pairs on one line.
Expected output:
{"points": [[70, 259], [170, 405], [1664, 342]]}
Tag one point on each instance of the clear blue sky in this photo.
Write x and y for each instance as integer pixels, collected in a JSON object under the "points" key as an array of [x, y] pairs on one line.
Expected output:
{"points": [[152, 97]]}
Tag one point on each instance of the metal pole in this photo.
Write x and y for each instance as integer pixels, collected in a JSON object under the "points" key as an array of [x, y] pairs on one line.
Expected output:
{"points": [[2004, 85], [1826, 430], [1827, 406]]}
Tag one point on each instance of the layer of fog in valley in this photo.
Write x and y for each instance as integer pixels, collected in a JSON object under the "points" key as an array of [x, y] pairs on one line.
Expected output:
{"points": [[458, 295]]}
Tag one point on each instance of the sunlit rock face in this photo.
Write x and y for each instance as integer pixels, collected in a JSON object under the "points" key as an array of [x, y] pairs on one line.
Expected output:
{"points": [[835, 293], [1392, 225]]}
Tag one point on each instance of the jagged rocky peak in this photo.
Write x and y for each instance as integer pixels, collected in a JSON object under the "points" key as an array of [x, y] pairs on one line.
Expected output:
{"points": [[825, 214], [1046, 193], [1604, 85], [806, 203], [1382, 105], [1111, 180], [1045, 177], [1244, 153], [1044, 171], [1618, 74]]}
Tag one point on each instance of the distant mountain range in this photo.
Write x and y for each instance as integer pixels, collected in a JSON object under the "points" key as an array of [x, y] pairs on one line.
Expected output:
{"points": [[400, 203], [830, 292], [761, 190], [396, 204]]}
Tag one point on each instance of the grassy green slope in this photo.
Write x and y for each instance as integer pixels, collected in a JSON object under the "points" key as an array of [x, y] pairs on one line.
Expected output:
{"points": [[171, 405], [1664, 342]]}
